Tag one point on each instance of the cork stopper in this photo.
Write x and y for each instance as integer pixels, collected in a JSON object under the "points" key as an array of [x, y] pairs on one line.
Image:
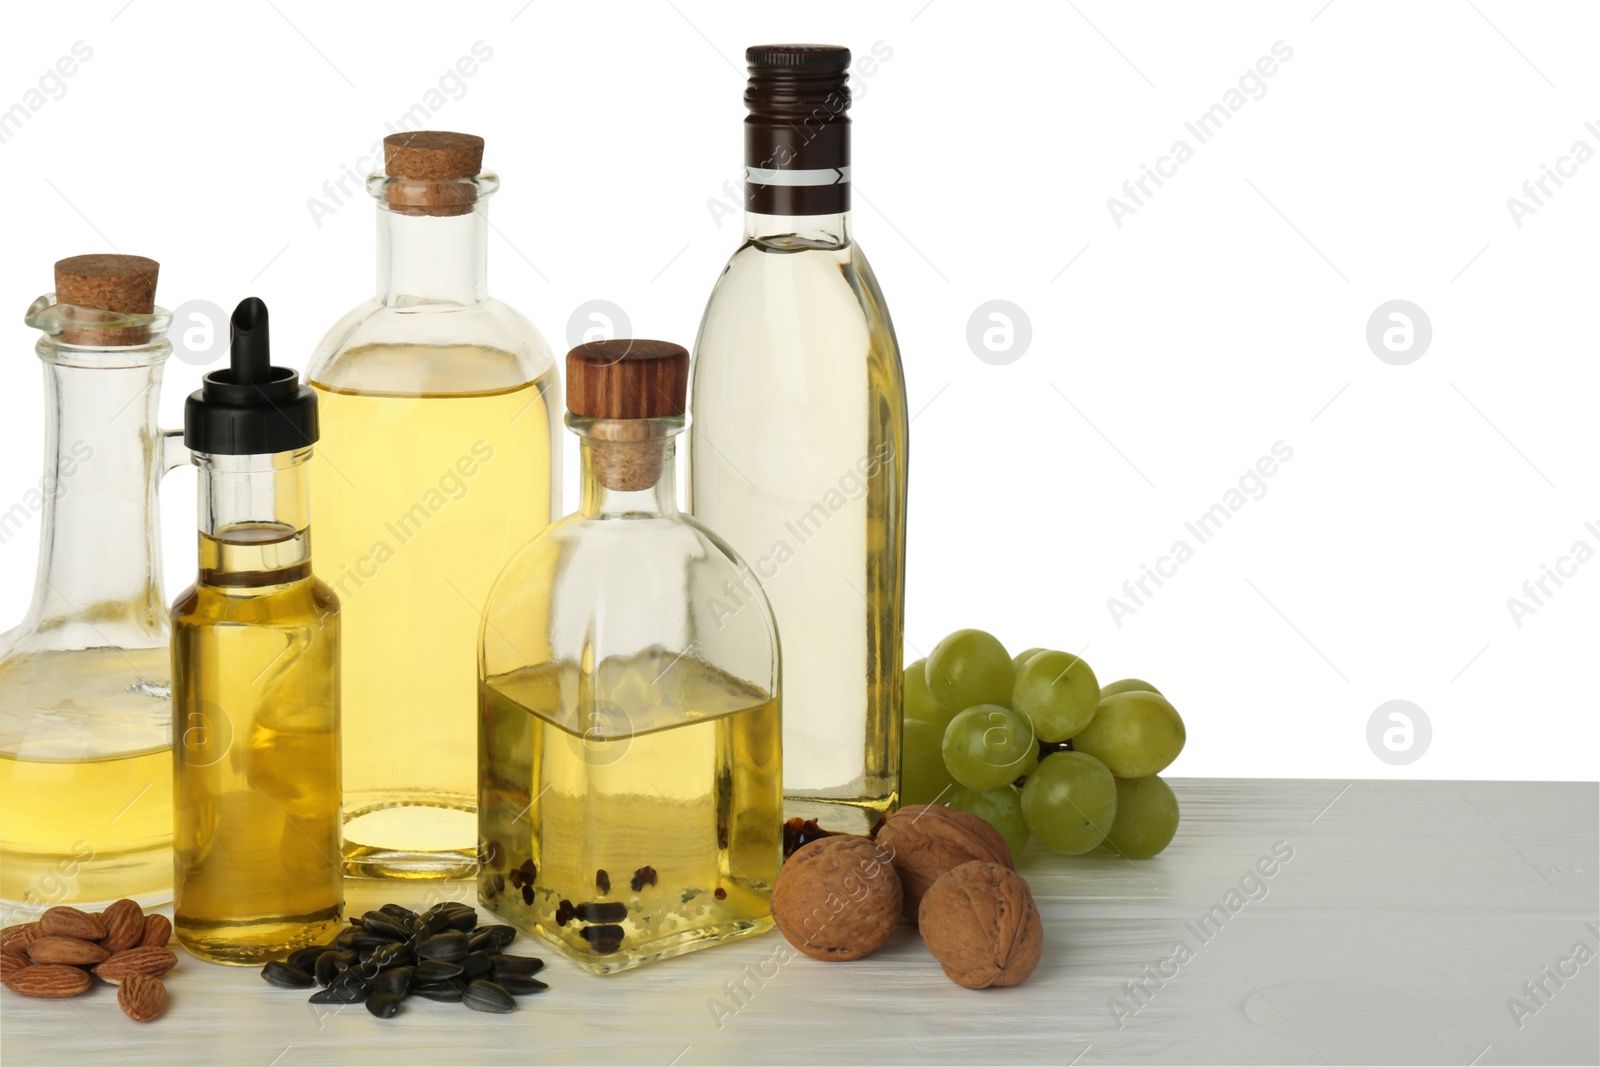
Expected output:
{"points": [[625, 383], [124, 285], [432, 168]]}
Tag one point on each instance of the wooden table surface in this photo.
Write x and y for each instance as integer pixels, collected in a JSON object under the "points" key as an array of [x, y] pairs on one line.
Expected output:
{"points": [[1400, 922]]}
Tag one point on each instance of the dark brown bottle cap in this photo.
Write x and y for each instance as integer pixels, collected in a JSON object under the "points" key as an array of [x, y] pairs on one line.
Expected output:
{"points": [[627, 379], [432, 166], [107, 282], [797, 135]]}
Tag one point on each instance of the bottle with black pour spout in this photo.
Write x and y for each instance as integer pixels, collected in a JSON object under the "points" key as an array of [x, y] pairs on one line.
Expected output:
{"points": [[255, 675]]}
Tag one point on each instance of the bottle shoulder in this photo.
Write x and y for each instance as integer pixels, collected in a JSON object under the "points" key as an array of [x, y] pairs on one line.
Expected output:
{"points": [[433, 348]]}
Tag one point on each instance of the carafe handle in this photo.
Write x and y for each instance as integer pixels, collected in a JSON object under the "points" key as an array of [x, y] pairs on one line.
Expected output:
{"points": [[174, 453]]}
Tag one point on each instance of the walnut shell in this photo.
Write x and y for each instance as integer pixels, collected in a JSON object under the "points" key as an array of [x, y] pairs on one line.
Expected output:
{"points": [[926, 840], [980, 923], [837, 898]]}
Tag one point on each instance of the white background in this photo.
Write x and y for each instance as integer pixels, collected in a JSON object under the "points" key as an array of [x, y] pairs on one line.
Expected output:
{"points": [[1228, 313]]}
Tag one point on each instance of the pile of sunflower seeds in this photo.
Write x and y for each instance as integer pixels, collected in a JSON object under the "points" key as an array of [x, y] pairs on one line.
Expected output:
{"points": [[387, 955]]}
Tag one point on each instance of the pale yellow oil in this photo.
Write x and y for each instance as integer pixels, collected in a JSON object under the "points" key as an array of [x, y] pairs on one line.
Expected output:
{"points": [[85, 830], [418, 500], [664, 763], [255, 648], [796, 337]]}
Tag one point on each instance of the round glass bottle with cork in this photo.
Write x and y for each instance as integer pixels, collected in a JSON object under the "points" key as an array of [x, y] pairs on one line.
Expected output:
{"points": [[85, 679], [439, 458], [630, 733]]}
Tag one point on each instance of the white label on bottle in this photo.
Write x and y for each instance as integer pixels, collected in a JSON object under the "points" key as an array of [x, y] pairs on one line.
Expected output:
{"points": [[774, 176]]}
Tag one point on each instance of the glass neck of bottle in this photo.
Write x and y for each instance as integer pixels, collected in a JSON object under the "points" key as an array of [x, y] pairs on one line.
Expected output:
{"points": [[433, 258], [627, 468], [100, 540], [812, 231], [253, 518]]}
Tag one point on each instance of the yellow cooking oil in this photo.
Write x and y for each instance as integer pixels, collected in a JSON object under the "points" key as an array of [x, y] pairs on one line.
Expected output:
{"points": [[80, 825], [255, 650], [634, 813], [434, 466]]}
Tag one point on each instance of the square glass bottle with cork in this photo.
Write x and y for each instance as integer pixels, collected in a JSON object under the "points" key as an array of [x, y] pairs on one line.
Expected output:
{"points": [[630, 733]]}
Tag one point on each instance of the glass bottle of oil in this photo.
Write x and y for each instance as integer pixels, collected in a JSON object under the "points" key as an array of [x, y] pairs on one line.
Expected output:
{"points": [[255, 665], [439, 458], [797, 449], [85, 679], [630, 733]]}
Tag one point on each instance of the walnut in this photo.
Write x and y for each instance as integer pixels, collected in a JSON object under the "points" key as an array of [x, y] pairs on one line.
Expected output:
{"points": [[927, 840], [980, 923], [837, 898]]}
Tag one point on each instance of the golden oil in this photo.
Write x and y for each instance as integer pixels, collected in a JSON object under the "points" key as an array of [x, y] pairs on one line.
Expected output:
{"points": [[255, 650], [420, 498], [86, 830], [621, 828]]}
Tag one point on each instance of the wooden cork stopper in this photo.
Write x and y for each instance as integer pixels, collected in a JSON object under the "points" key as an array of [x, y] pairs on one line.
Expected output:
{"points": [[626, 382], [104, 282], [432, 166]]}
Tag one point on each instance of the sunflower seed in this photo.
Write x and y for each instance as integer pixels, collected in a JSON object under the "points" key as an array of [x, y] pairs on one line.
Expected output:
{"points": [[436, 971], [396, 980], [502, 934], [448, 992], [325, 967], [371, 939], [305, 959], [481, 941], [482, 995], [398, 911], [463, 920], [346, 960], [449, 946], [347, 989], [504, 965], [376, 922], [475, 965], [287, 977], [383, 1005], [346, 939], [519, 985]]}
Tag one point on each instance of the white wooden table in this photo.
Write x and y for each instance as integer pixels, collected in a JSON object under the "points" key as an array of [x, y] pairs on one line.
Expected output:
{"points": [[1404, 922]]}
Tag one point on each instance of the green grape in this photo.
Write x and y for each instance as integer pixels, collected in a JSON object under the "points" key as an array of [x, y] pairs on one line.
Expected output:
{"points": [[969, 668], [1147, 817], [1000, 808], [988, 746], [1058, 692], [1127, 685], [1070, 802], [919, 703], [923, 777], [1134, 734], [1022, 657]]}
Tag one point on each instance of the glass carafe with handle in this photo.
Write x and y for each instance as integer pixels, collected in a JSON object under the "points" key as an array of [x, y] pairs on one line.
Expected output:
{"points": [[85, 678]]}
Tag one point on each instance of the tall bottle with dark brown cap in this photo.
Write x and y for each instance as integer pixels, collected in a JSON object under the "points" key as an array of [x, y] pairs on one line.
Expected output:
{"points": [[797, 449], [439, 458]]}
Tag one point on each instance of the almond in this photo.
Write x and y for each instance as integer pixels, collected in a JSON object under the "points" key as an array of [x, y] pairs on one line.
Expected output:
{"points": [[51, 980], [18, 938], [142, 997], [157, 931], [68, 950], [124, 923], [151, 962], [12, 962], [62, 921]]}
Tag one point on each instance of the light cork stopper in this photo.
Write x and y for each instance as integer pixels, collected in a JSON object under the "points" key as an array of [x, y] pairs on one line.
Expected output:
{"points": [[106, 282], [626, 382], [432, 167]]}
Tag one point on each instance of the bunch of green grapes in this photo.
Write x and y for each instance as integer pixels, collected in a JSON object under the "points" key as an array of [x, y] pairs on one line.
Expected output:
{"points": [[1034, 745]]}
